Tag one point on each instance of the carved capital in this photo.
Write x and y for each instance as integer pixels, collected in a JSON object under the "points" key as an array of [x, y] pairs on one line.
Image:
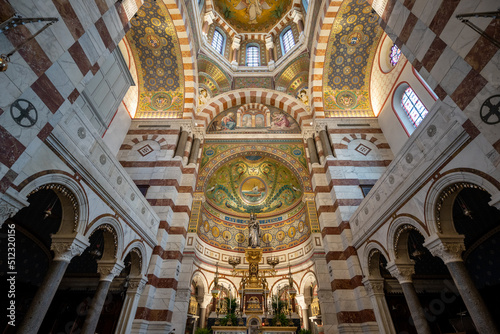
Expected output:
{"points": [[301, 300], [108, 270], [236, 42], [402, 272], [297, 16], [449, 249], [10, 204], [67, 248], [199, 197], [7, 211], [308, 132], [210, 17], [137, 284], [374, 286]]}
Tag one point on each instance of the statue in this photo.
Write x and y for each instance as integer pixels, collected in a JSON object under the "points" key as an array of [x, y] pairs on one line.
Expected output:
{"points": [[253, 232]]}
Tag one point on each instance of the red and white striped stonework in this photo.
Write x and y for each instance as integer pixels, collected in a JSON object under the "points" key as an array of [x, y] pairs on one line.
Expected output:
{"points": [[180, 18], [279, 100], [324, 26], [336, 184], [460, 65], [171, 185], [51, 70]]}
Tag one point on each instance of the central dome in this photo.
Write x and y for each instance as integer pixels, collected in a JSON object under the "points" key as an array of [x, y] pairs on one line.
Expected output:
{"points": [[253, 183]]}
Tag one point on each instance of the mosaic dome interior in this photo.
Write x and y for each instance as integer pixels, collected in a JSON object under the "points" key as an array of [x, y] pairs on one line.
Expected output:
{"points": [[253, 183]]}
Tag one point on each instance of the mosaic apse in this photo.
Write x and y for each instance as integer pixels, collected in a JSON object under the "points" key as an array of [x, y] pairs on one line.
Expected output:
{"points": [[155, 47], [253, 183], [252, 15], [349, 58]]}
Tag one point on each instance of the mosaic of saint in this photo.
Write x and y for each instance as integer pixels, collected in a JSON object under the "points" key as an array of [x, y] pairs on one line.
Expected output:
{"points": [[253, 183], [252, 15], [349, 58], [154, 44], [270, 120]]}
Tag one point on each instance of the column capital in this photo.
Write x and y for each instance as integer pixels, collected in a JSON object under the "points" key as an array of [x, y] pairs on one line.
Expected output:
{"points": [[374, 286], [109, 269], [210, 17], [297, 16], [204, 300], [66, 248], [137, 284], [301, 300], [402, 272], [10, 204], [447, 248], [236, 42], [269, 42]]}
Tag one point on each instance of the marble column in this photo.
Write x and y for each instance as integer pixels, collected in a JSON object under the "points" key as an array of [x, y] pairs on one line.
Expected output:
{"points": [[299, 21], [129, 308], [319, 147], [209, 19], [304, 305], [449, 249], [181, 145], [311, 146], [187, 149], [235, 47], [204, 302], [64, 250], [270, 51], [108, 270], [327, 148], [403, 273], [375, 289], [195, 148]]}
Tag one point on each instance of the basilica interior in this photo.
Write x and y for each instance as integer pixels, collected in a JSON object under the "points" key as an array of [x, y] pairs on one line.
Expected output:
{"points": [[250, 166]]}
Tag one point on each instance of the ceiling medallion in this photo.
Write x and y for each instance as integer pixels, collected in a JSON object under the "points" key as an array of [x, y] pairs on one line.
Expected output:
{"points": [[490, 110], [24, 113]]}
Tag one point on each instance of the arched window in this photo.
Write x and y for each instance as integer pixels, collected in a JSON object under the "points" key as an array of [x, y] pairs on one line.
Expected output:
{"points": [[287, 41], [415, 109], [218, 42], [253, 58], [305, 4]]}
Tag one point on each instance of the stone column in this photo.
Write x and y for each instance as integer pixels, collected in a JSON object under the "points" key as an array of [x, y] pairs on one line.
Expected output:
{"points": [[64, 250], [375, 289], [304, 305], [403, 273], [299, 20], [209, 19], [129, 308], [204, 303], [181, 145], [195, 148], [270, 51], [327, 148], [449, 249], [311, 146], [327, 304], [108, 271], [183, 294], [187, 149], [319, 148], [235, 47]]}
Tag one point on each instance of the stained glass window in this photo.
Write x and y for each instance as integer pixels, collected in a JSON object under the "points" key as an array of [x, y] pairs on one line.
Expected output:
{"points": [[395, 55], [288, 41], [218, 42], [414, 108], [253, 55]]}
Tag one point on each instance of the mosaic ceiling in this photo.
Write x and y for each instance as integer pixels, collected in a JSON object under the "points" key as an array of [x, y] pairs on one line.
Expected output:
{"points": [[252, 15], [157, 54], [349, 58], [295, 76], [212, 77]]}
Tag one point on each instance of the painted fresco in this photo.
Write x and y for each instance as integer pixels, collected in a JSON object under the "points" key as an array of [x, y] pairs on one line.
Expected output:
{"points": [[253, 183], [349, 58], [275, 121], [252, 15], [156, 50]]}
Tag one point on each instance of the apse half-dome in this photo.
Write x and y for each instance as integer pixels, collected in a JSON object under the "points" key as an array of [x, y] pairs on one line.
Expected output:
{"points": [[253, 183]]}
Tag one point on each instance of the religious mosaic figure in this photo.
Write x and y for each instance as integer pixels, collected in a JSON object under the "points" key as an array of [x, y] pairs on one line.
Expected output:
{"points": [[253, 231], [228, 122], [254, 8]]}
